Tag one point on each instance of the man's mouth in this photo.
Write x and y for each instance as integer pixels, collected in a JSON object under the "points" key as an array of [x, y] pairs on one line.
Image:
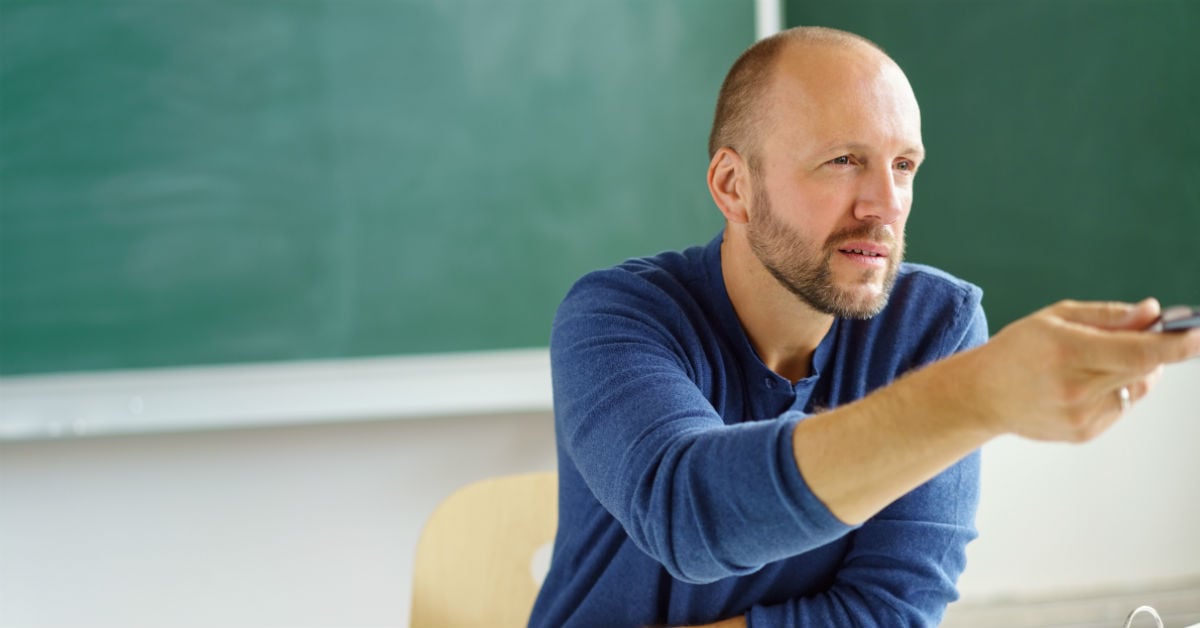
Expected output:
{"points": [[865, 248], [862, 252], [866, 253]]}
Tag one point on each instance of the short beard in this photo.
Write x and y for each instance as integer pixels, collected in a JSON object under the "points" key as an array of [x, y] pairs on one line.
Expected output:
{"points": [[805, 271]]}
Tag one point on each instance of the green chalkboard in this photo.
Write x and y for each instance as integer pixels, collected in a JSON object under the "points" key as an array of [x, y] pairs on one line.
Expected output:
{"points": [[198, 181], [1063, 140]]}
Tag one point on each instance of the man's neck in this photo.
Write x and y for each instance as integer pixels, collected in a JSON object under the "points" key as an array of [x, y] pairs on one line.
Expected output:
{"points": [[783, 330]]}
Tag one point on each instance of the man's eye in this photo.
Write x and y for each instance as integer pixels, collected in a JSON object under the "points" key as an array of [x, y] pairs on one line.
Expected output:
{"points": [[844, 160], [905, 164]]}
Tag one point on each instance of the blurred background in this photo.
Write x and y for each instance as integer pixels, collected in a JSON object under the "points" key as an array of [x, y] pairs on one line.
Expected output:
{"points": [[276, 277]]}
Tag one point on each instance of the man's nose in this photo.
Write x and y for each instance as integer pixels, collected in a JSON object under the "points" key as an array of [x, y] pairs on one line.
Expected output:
{"points": [[882, 197]]}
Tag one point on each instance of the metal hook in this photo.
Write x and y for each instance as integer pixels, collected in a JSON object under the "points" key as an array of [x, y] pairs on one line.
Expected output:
{"points": [[1144, 609]]}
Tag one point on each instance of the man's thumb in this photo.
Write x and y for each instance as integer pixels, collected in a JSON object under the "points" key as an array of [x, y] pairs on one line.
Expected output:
{"points": [[1111, 314]]}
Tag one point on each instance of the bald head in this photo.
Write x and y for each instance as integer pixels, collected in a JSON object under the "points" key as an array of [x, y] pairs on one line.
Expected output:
{"points": [[813, 52]]}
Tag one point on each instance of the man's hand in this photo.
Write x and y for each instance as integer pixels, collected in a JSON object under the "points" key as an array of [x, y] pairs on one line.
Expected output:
{"points": [[1057, 374]]}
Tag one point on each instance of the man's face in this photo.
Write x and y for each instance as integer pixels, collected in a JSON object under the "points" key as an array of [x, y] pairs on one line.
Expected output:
{"points": [[832, 186], [805, 266]]}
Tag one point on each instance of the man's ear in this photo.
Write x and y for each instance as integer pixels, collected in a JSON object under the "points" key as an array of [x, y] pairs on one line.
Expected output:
{"points": [[730, 185]]}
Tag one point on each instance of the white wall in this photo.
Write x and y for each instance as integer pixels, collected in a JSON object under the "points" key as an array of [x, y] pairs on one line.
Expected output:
{"points": [[315, 526], [297, 526], [1119, 512]]}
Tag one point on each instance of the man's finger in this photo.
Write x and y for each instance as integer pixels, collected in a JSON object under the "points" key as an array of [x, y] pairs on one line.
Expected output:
{"points": [[1110, 314]]}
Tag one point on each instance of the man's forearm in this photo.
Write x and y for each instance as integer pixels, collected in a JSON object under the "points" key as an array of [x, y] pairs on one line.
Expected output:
{"points": [[863, 456]]}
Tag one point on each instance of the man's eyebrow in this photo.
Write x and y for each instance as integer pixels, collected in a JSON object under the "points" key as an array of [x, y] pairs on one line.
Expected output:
{"points": [[848, 147], [917, 151]]}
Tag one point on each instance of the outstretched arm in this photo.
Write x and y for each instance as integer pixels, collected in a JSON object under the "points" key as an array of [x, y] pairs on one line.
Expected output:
{"points": [[1050, 376]]}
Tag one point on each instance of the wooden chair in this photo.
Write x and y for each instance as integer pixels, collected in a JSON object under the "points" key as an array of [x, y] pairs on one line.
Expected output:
{"points": [[474, 563]]}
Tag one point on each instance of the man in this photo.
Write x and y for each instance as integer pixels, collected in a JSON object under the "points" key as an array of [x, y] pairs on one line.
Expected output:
{"points": [[781, 428]]}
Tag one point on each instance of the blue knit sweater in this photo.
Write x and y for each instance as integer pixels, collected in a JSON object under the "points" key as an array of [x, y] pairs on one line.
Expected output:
{"points": [[679, 497]]}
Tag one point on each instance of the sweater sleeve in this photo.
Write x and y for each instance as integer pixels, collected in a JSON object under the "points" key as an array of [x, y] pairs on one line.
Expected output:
{"points": [[903, 564], [705, 499]]}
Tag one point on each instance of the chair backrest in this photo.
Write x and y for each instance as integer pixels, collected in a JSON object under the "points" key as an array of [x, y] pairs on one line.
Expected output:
{"points": [[474, 564]]}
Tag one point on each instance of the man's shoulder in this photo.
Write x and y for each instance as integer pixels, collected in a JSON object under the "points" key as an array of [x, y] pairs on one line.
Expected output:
{"points": [[684, 263], [925, 297], [671, 294], [932, 309], [934, 276], [931, 283], [666, 271]]}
